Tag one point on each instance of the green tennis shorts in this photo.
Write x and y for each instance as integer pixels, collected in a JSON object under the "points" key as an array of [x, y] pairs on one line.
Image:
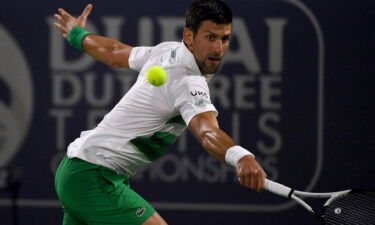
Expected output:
{"points": [[96, 195]]}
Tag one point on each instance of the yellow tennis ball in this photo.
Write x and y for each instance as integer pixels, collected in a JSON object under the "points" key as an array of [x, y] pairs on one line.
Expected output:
{"points": [[157, 76]]}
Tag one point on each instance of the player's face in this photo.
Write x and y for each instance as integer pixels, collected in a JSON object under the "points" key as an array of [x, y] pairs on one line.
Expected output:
{"points": [[209, 44]]}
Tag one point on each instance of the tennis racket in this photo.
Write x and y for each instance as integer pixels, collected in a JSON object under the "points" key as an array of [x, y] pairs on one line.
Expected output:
{"points": [[348, 207]]}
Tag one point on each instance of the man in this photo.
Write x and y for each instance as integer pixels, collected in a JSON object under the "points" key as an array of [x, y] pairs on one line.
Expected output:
{"points": [[91, 181]]}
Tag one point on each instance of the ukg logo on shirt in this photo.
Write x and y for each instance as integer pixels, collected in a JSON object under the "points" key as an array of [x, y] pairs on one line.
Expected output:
{"points": [[16, 104]]}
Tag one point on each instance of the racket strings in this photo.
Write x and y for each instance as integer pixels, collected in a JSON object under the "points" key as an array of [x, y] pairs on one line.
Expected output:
{"points": [[351, 209]]}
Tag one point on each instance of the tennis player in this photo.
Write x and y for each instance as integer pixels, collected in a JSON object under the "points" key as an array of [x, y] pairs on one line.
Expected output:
{"points": [[92, 180]]}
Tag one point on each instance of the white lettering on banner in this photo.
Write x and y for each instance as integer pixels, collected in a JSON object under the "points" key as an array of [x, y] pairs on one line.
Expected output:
{"points": [[171, 28], [271, 133], [270, 92], [219, 91], [113, 25], [276, 39], [72, 89], [243, 93], [61, 80], [173, 168], [145, 31], [61, 116], [92, 90], [245, 54]]}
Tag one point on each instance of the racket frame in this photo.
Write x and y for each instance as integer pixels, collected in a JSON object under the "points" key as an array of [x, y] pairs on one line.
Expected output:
{"points": [[290, 193]]}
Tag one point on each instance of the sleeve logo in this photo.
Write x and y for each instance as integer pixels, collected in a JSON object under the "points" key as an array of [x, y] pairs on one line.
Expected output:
{"points": [[199, 93]]}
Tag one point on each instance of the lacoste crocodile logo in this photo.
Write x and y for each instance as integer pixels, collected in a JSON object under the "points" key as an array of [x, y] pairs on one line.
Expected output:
{"points": [[140, 211]]}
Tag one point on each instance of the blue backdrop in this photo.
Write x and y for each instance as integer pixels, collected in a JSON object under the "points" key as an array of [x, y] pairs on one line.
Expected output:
{"points": [[296, 88]]}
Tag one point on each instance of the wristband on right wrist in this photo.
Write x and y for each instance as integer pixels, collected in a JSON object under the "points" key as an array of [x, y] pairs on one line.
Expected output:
{"points": [[76, 36], [235, 153]]}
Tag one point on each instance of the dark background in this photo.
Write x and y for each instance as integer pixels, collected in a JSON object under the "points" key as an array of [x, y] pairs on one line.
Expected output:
{"points": [[343, 160]]}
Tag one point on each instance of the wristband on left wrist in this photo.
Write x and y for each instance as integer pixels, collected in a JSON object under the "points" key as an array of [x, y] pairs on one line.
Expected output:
{"points": [[76, 36]]}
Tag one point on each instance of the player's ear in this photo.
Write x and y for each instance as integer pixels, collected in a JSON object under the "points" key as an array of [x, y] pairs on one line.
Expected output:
{"points": [[188, 37]]}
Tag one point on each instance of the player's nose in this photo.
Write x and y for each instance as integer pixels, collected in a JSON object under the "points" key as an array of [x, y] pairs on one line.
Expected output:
{"points": [[218, 47]]}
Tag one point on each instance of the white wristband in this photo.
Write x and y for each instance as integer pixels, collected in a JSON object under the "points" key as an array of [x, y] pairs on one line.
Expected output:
{"points": [[236, 153]]}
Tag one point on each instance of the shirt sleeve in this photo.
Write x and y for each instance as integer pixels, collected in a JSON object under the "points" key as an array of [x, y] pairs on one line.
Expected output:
{"points": [[192, 97], [138, 57]]}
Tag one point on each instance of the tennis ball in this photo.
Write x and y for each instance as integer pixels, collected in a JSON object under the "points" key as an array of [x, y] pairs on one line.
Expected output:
{"points": [[157, 76]]}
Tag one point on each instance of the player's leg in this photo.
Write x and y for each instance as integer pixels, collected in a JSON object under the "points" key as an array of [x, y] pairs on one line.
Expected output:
{"points": [[155, 219], [131, 208], [69, 217], [100, 196]]}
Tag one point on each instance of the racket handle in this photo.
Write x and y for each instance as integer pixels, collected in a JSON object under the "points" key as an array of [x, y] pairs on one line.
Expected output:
{"points": [[277, 188]]}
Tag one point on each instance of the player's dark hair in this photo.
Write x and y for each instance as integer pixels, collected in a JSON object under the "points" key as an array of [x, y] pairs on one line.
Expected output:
{"points": [[201, 10]]}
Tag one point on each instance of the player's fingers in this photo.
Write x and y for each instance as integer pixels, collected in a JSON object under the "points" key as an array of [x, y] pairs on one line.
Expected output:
{"points": [[83, 17], [242, 175], [245, 176], [60, 27], [244, 181], [65, 14], [59, 18], [253, 183], [87, 10], [248, 182], [261, 182]]}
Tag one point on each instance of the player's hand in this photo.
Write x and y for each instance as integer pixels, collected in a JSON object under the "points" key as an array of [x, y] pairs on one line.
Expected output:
{"points": [[67, 22], [250, 173]]}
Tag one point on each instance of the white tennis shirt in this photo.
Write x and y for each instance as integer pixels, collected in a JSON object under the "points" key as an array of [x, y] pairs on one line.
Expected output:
{"points": [[148, 119]]}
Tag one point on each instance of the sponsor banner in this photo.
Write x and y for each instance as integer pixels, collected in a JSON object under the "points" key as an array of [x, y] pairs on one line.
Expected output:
{"points": [[269, 93]]}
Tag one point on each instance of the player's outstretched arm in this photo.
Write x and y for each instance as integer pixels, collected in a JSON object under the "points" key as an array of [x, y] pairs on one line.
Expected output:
{"points": [[217, 142], [109, 51]]}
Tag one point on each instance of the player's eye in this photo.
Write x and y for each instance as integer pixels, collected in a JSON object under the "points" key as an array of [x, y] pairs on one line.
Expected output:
{"points": [[226, 39], [211, 37]]}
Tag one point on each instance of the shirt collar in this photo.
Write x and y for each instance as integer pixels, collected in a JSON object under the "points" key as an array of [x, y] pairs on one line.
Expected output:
{"points": [[189, 58]]}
